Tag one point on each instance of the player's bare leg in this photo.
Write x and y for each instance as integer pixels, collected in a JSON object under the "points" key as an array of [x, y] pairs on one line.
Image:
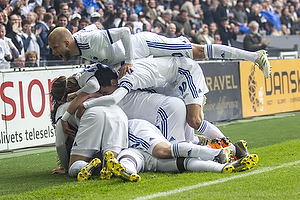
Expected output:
{"points": [[198, 51]]}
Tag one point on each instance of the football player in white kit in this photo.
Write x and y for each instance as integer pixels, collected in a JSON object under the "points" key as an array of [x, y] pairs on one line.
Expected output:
{"points": [[99, 129], [185, 78], [117, 45], [145, 142]]}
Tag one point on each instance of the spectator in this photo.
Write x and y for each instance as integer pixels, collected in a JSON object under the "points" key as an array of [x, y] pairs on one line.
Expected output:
{"points": [[32, 16], [208, 11], [62, 21], [19, 62], [163, 21], [80, 9], [40, 11], [247, 7], [96, 17], [124, 6], [284, 31], [130, 25], [53, 12], [121, 19], [227, 32], [295, 16], [153, 10], [16, 33], [83, 22], [18, 9], [4, 20], [109, 17], [222, 12], [64, 9], [5, 56], [189, 7], [213, 31], [7, 50], [171, 31], [253, 40], [75, 22], [137, 25], [197, 9], [103, 5], [203, 36], [257, 16], [182, 21], [31, 59], [4, 5], [240, 15], [31, 41], [27, 7], [46, 24], [286, 18]]}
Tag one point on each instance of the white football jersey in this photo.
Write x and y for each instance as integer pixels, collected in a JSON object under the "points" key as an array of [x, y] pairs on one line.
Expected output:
{"points": [[109, 47]]}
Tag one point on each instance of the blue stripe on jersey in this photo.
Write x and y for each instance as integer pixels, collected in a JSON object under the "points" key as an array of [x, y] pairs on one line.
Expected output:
{"points": [[203, 126], [109, 36], [138, 141], [160, 45], [126, 85], [57, 120], [164, 122], [83, 46], [190, 82], [175, 151], [209, 51]]}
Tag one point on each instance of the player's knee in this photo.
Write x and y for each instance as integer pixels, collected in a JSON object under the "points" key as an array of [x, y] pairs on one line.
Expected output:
{"points": [[198, 51], [162, 151], [194, 121]]}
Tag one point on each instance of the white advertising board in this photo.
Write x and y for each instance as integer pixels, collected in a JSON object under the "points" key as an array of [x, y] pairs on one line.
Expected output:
{"points": [[25, 107]]}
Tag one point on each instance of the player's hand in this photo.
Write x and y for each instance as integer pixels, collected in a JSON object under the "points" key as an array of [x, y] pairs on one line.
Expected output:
{"points": [[80, 111], [125, 68], [71, 133], [59, 170], [71, 96]]}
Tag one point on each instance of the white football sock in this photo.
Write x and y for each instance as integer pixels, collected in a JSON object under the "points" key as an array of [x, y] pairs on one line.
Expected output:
{"points": [[192, 150], [210, 130], [197, 165], [129, 165], [76, 167], [226, 52]]}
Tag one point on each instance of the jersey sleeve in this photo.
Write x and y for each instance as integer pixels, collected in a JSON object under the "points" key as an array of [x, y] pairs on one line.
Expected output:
{"points": [[123, 34], [91, 86], [107, 100]]}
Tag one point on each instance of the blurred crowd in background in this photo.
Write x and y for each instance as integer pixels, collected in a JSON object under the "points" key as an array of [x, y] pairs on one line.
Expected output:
{"points": [[26, 24]]}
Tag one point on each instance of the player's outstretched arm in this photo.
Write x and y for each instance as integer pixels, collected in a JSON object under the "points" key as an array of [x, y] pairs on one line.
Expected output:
{"points": [[107, 100], [124, 34]]}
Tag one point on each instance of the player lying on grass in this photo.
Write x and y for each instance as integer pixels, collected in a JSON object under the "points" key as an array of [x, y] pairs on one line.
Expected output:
{"points": [[139, 157], [115, 46]]}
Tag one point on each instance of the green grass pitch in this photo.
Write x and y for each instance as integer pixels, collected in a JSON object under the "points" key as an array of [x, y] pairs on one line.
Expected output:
{"points": [[276, 140]]}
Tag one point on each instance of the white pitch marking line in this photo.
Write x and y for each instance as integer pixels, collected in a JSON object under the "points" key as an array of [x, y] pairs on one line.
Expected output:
{"points": [[267, 169]]}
